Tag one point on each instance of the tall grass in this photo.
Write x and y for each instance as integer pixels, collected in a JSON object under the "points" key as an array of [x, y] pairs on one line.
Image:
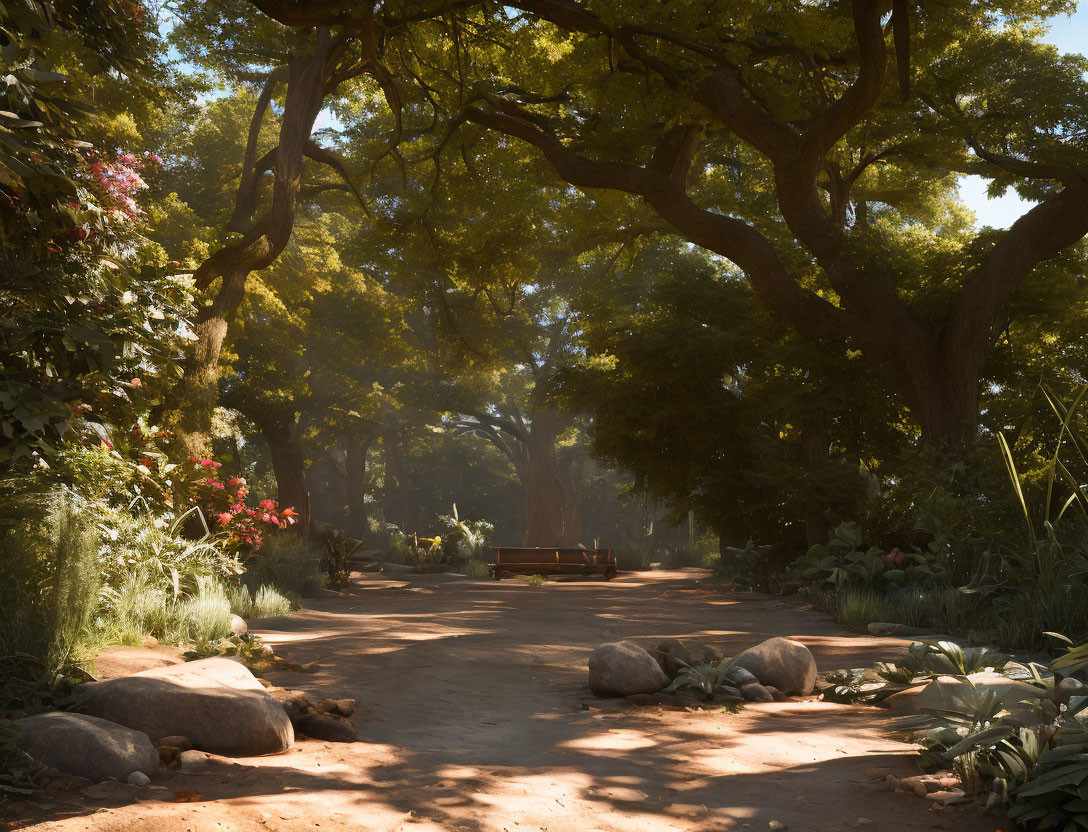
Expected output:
{"points": [[266, 602], [289, 564], [205, 616], [49, 577]]}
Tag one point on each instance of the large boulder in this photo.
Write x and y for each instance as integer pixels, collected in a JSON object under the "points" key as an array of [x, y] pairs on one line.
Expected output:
{"points": [[217, 703], [956, 693], [781, 663], [87, 746], [622, 668]]}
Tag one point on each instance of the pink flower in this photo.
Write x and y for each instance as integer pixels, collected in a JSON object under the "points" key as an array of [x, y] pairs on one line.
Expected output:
{"points": [[894, 558], [206, 462], [136, 382], [267, 505], [225, 518]]}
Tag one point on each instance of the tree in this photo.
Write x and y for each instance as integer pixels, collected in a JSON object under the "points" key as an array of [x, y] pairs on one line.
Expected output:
{"points": [[311, 65], [87, 318], [784, 141]]}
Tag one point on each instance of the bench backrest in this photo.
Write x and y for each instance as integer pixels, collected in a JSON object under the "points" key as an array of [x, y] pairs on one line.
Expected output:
{"points": [[530, 555]]}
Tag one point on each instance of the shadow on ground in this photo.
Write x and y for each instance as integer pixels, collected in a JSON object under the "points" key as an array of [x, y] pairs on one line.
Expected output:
{"points": [[474, 715]]}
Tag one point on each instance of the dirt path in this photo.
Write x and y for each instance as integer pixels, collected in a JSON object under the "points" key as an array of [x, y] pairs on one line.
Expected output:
{"points": [[472, 715]]}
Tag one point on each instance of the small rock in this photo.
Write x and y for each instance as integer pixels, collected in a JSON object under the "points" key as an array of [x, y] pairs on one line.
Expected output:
{"points": [[1069, 687], [777, 826], [193, 762], [739, 676], [343, 707], [946, 798], [326, 727], [110, 790], [238, 625], [138, 778], [864, 823], [755, 692], [884, 628], [45, 775], [168, 754]]}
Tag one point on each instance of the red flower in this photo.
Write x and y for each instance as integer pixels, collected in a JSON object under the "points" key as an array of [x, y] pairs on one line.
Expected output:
{"points": [[289, 512], [225, 517], [267, 505], [136, 382]]}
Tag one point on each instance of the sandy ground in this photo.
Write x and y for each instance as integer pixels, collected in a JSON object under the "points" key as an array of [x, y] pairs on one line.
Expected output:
{"points": [[474, 714]]}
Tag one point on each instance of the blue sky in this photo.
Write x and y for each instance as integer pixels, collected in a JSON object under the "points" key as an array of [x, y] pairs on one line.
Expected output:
{"points": [[1070, 34]]}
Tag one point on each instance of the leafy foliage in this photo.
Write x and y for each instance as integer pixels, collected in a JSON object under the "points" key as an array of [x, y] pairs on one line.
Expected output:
{"points": [[710, 682]]}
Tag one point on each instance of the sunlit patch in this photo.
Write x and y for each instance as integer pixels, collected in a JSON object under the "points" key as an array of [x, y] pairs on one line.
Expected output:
{"points": [[619, 739]]}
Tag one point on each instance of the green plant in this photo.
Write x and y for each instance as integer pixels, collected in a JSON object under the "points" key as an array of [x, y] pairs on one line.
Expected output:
{"points": [[463, 539], [269, 602], [205, 616], [710, 682], [142, 605], [49, 577], [1074, 662], [843, 561], [338, 550], [1055, 796], [15, 765], [156, 545], [475, 568], [532, 580], [848, 686], [288, 563]]}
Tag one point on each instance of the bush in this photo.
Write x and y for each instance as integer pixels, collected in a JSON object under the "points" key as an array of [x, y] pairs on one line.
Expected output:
{"points": [[287, 563], [690, 555], [48, 574], [474, 568], [268, 603], [157, 547], [139, 607]]}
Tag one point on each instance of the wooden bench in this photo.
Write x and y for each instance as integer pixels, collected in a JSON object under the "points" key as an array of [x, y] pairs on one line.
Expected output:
{"points": [[552, 561]]}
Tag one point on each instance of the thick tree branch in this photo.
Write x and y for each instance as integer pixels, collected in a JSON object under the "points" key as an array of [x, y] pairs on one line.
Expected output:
{"points": [[727, 236]]}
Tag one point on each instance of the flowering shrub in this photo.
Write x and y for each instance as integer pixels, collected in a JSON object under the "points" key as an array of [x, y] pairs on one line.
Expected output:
{"points": [[83, 316], [224, 503]]}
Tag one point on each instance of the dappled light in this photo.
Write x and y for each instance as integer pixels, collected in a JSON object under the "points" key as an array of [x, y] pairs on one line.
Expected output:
{"points": [[557, 415]]}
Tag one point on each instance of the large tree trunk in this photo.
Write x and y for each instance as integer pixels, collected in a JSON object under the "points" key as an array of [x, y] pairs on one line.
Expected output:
{"points": [[545, 503], [189, 411], [280, 431], [944, 396], [393, 504], [355, 487], [815, 447]]}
